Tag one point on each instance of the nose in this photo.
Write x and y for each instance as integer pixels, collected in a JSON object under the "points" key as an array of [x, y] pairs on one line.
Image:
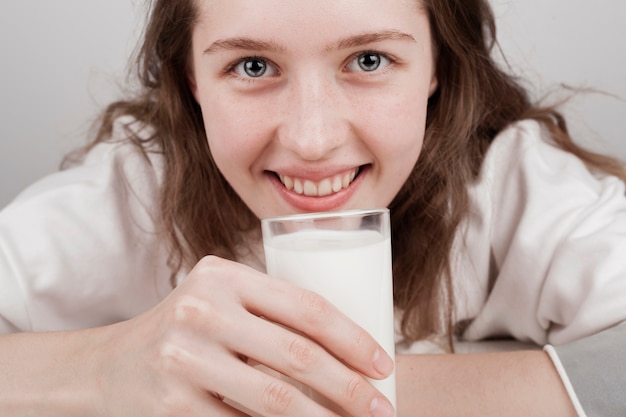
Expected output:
{"points": [[314, 123]]}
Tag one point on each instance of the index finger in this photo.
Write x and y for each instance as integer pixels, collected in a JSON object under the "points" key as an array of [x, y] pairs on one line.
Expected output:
{"points": [[312, 315]]}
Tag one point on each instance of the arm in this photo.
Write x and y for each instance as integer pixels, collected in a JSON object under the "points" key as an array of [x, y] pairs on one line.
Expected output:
{"points": [[48, 374], [523, 383], [80, 250], [187, 354], [549, 246]]}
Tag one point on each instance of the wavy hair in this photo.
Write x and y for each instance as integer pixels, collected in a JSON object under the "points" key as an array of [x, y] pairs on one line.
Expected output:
{"points": [[201, 214]]}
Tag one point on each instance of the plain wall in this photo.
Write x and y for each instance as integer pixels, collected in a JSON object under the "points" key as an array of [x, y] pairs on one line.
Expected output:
{"points": [[62, 60], [578, 43]]}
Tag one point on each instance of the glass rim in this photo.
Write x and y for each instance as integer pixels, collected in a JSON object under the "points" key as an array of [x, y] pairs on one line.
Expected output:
{"points": [[324, 215]]}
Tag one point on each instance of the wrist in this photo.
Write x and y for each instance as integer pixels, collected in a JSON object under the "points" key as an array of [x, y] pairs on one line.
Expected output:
{"points": [[48, 374]]}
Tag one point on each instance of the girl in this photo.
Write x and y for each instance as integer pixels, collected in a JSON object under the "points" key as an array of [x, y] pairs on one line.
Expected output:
{"points": [[503, 227]]}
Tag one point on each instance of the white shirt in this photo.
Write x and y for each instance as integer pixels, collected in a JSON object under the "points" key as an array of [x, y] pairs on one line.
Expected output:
{"points": [[80, 248], [540, 257], [543, 259]]}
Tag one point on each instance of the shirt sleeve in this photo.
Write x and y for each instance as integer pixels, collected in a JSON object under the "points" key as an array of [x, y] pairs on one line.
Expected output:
{"points": [[13, 313], [547, 238], [81, 247]]}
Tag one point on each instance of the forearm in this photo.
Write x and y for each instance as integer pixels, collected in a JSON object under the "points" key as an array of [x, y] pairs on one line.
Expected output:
{"points": [[486, 384], [47, 374]]}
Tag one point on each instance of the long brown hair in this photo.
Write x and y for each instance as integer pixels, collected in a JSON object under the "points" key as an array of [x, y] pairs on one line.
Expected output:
{"points": [[201, 213], [476, 99]]}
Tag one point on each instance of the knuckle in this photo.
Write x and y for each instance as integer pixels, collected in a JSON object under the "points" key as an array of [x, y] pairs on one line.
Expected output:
{"points": [[171, 357], [216, 273], [205, 264], [209, 261], [302, 354], [363, 341], [362, 338], [317, 309], [210, 267], [354, 385], [191, 312], [186, 310], [278, 398]]}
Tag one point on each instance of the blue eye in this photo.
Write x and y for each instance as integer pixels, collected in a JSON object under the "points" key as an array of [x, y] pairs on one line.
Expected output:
{"points": [[368, 62], [254, 68]]}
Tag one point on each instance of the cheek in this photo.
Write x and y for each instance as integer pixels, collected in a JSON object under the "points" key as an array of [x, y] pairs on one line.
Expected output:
{"points": [[401, 127], [234, 136], [400, 134]]}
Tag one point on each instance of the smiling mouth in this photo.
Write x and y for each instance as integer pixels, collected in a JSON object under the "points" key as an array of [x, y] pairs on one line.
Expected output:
{"points": [[325, 187]]}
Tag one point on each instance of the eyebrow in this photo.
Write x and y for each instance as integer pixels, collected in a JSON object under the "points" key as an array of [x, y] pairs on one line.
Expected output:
{"points": [[367, 38], [242, 43]]}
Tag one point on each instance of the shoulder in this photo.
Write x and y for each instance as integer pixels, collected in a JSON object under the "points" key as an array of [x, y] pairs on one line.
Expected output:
{"points": [[85, 235], [546, 237], [522, 144], [523, 159], [108, 168], [526, 176], [528, 142]]}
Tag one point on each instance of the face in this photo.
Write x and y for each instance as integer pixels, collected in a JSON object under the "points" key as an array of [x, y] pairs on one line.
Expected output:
{"points": [[313, 105]]}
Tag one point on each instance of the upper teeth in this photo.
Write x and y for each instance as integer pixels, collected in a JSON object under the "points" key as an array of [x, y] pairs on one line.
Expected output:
{"points": [[321, 188]]}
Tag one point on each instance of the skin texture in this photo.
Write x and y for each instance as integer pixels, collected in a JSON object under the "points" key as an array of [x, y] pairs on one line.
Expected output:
{"points": [[520, 383], [184, 356], [314, 114], [311, 115]]}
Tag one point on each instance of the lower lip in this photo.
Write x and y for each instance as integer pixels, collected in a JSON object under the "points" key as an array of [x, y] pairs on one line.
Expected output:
{"points": [[332, 202]]}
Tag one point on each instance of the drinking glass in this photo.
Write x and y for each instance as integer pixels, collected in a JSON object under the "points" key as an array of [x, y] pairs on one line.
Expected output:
{"points": [[346, 258]]}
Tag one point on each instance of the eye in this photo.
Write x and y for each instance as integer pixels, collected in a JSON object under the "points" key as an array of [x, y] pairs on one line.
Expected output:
{"points": [[368, 62], [254, 67]]}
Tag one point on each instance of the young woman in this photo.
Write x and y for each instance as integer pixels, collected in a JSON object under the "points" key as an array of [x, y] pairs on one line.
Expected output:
{"points": [[502, 226]]}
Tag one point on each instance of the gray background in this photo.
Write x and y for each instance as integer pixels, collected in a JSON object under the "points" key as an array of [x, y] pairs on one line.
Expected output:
{"points": [[63, 60]]}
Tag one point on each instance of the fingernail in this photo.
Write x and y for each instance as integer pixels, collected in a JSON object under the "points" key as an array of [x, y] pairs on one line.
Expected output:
{"points": [[380, 408], [382, 362]]}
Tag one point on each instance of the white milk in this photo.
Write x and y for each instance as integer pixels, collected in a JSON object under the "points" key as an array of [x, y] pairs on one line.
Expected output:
{"points": [[351, 269]]}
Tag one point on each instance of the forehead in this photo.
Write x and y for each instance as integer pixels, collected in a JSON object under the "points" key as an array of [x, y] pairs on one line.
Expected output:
{"points": [[297, 20]]}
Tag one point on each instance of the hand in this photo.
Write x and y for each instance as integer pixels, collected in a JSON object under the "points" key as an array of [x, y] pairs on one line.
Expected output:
{"points": [[186, 355]]}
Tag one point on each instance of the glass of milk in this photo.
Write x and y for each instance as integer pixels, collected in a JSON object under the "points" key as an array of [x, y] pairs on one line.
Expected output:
{"points": [[346, 258]]}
